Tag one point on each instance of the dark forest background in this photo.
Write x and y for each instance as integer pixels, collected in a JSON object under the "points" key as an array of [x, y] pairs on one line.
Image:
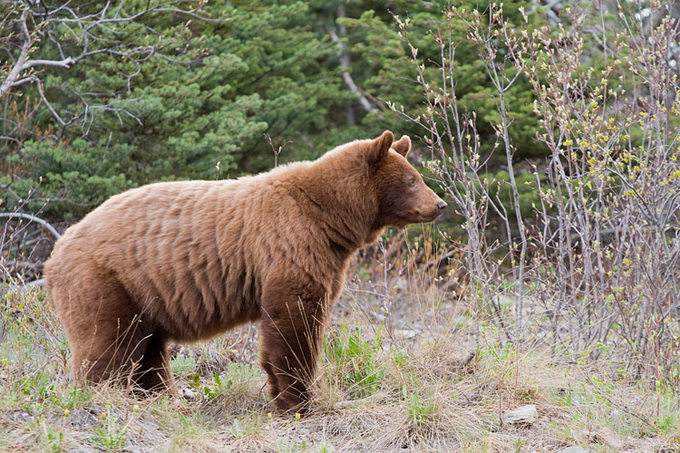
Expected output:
{"points": [[99, 97]]}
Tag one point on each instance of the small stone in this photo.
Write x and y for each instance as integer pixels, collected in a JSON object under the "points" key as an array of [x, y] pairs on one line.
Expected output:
{"points": [[525, 415], [606, 436], [574, 450], [189, 394], [406, 334], [82, 418]]}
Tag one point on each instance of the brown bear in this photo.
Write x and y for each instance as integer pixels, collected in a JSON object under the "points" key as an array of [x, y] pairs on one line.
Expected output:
{"points": [[184, 261]]}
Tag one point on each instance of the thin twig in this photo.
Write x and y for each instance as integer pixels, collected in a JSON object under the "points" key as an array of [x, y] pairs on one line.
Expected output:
{"points": [[32, 218]]}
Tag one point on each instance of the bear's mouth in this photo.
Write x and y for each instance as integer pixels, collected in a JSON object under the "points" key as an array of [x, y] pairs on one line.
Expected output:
{"points": [[432, 216], [427, 216]]}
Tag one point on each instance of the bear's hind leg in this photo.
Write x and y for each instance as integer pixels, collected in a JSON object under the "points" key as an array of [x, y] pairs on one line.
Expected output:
{"points": [[153, 372], [107, 333], [110, 351]]}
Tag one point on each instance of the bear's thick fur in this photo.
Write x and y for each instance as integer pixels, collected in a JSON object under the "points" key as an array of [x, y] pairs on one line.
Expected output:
{"points": [[184, 261]]}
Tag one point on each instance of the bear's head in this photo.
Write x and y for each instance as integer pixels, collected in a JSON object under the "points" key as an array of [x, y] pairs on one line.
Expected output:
{"points": [[403, 197]]}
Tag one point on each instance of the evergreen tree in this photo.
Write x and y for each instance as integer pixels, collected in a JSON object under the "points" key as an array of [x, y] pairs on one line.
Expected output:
{"points": [[163, 91]]}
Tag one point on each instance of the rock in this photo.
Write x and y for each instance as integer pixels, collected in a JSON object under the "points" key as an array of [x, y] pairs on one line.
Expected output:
{"points": [[525, 415], [574, 450], [608, 437], [406, 334], [82, 418], [187, 393]]}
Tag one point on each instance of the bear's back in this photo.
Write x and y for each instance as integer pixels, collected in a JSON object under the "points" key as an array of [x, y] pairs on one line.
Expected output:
{"points": [[178, 249]]}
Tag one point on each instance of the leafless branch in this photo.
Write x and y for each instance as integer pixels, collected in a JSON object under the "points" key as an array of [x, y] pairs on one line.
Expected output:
{"points": [[19, 65], [345, 65], [20, 72], [38, 84], [44, 223]]}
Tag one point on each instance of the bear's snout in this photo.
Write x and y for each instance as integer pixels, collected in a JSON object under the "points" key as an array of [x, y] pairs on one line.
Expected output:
{"points": [[437, 209], [430, 211]]}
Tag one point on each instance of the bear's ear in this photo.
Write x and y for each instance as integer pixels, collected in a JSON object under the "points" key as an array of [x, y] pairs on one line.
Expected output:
{"points": [[378, 148], [403, 145]]}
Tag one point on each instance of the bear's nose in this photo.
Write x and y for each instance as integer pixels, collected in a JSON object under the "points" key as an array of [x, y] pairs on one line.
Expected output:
{"points": [[441, 205]]}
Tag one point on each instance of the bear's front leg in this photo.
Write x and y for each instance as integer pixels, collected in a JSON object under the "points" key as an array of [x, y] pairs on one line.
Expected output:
{"points": [[290, 342]]}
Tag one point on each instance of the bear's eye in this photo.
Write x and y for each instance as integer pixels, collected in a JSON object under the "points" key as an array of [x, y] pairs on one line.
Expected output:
{"points": [[412, 181]]}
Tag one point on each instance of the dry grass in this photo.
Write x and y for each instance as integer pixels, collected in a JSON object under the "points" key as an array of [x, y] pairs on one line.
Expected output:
{"points": [[407, 366]]}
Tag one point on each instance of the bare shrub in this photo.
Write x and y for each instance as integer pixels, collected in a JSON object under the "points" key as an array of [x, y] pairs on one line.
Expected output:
{"points": [[25, 238], [611, 192], [596, 269]]}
